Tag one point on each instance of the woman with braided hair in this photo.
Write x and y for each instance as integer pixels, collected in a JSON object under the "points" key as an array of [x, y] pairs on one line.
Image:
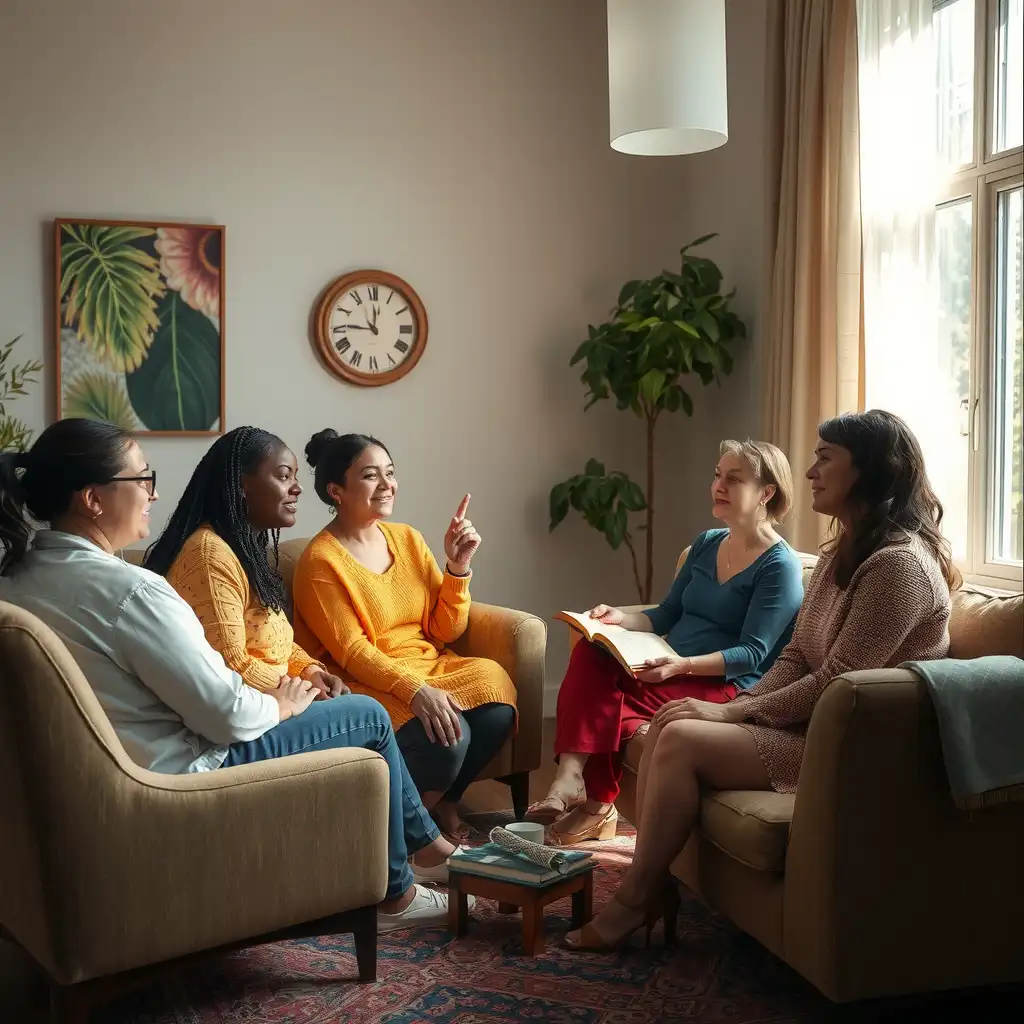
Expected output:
{"points": [[174, 703], [213, 551]]}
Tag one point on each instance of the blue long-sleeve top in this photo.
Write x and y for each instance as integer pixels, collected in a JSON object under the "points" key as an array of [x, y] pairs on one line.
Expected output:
{"points": [[749, 618]]}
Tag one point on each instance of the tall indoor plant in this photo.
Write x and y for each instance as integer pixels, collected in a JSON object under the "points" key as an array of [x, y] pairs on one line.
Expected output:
{"points": [[661, 330]]}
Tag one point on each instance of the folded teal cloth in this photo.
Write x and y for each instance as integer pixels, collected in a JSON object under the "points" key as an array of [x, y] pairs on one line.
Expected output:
{"points": [[980, 707]]}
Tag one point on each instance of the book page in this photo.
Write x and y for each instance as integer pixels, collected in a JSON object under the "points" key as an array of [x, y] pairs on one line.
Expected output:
{"points": [[634, 647], [581, 621]]}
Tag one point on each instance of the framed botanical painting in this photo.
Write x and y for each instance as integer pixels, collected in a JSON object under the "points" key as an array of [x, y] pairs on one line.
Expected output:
{"points": [[140, 324]]}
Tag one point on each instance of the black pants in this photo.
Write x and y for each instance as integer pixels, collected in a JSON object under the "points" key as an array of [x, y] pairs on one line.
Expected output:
{"points": [[436, 768]]}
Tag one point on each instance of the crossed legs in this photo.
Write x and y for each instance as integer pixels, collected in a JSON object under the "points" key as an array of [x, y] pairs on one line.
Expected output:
{"points": [[678, 760]]}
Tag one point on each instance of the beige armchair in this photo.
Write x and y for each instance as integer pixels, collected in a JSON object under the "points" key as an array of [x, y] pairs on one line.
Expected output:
{"points": [[107, 870], [517, 641], [868, 881]]}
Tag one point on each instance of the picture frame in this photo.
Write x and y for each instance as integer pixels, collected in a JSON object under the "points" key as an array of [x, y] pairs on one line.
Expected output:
{"points": [[139, 324]]}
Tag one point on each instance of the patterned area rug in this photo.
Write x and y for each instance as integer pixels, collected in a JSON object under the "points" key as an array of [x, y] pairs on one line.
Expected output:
{"points": [[714, 974]]}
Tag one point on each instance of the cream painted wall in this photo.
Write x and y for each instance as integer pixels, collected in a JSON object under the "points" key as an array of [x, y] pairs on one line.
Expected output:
{"points": [[460, 144]]}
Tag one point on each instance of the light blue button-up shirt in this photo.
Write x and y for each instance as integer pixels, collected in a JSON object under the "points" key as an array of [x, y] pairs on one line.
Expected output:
{"points": [[173, 702]]}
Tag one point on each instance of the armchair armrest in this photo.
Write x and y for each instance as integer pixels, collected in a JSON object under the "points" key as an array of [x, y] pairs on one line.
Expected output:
{"points": [[220, 856], [888, 887], [516, 641]]}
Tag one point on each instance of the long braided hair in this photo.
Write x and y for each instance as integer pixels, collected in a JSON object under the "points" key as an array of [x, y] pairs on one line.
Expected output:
{"points": [[214, 498]]}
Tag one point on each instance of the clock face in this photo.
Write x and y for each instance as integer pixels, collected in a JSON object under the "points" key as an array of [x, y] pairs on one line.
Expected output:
{"points": [[371, 327]]}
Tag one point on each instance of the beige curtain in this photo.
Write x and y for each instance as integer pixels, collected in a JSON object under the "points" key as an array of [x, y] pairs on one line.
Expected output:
{"points": [[814, 338]]}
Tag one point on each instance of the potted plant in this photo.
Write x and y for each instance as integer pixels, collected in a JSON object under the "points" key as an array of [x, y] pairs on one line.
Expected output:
{"points": [[661, 331], [14, 434]]}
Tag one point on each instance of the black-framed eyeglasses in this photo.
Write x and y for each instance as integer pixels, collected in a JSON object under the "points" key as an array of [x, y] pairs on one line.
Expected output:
{"points": [[149, 479]]}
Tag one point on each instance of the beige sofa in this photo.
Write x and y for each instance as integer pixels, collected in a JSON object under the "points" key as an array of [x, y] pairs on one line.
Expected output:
{"points": [[108, 868], [868, 881]]}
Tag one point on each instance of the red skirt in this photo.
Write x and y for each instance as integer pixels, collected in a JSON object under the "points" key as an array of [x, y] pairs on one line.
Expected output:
{"points": [[601, 706]]}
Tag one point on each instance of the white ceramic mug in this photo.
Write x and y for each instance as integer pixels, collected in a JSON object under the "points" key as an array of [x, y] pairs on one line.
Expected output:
{"points": [[527, 830]]}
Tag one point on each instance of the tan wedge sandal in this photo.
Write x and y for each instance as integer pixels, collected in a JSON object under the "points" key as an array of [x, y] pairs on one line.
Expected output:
{"points": [[602, 829]]}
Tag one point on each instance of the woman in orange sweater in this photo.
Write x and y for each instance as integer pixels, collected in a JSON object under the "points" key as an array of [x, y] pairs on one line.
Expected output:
{"points": [[371, 603], [214, 553]]}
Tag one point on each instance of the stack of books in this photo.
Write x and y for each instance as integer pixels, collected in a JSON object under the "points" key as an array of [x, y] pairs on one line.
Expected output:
{"points": [[491, 861]]}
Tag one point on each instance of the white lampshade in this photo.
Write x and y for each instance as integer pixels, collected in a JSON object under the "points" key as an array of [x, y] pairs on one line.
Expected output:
{"points": [[666, 76]]}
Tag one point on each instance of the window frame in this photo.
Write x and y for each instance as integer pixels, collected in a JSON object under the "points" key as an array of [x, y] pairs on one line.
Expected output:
{"points": [[981, 180]]}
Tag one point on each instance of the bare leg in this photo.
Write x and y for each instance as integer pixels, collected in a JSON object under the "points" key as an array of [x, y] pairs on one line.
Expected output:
{"points": [[430, 799], [685, 755], [566, 790]]}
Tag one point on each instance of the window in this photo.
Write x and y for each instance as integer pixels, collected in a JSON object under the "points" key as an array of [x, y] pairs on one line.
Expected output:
{"points": [[978, 233]]}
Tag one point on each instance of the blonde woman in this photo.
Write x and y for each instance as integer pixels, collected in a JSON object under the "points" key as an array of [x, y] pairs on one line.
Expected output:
{"points": [[728, 614]]}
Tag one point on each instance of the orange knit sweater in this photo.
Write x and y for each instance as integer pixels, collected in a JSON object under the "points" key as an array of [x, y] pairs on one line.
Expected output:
{"points": [[385, 632], [256, 642]]}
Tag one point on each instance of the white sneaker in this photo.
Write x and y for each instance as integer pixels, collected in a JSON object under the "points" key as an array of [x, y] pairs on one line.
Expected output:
{"points": [[428, 907], [438, 874]]}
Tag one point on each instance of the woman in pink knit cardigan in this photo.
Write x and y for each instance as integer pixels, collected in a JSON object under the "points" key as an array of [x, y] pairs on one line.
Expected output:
{"points": [[878, 597]]}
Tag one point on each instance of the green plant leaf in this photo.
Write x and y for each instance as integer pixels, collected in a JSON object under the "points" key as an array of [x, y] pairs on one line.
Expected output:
{"points": [[178, 386], [111, 288], [559, 503], [615, 528], [699, 241], [99, 396], [594, 468], [651, 385]]}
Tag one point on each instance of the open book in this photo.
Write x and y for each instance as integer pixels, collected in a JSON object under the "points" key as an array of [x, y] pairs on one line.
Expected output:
{"points": [[630, 648]]}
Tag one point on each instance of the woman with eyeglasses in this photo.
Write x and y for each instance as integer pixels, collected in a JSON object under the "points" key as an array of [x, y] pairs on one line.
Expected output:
{"points": [[174, 703]]}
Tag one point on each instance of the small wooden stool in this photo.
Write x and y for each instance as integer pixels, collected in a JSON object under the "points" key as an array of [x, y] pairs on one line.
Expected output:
{"points": [[512, 895]]}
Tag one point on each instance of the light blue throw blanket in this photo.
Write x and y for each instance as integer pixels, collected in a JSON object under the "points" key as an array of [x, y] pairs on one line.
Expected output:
{"points": [[980, 707]]}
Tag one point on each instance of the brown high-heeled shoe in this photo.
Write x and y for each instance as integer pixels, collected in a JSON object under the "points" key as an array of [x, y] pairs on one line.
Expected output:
{"points": [[602, 829], [663, 905]]}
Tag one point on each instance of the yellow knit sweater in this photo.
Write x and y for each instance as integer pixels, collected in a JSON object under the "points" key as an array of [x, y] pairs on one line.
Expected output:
{"points": [[256, 642], [385, 632]]}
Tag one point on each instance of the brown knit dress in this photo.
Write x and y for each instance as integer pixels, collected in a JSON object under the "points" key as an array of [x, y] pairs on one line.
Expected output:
{"points": [[895, 609]]}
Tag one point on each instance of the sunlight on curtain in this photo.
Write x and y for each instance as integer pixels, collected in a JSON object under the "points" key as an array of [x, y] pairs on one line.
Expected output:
{"points": [[906, 367]]}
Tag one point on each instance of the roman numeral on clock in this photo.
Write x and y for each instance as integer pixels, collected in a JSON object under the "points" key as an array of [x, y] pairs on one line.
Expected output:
{"points": [[343, 345], [373, 292], [356, 358], [402, 346], [405, 329], [373, 364], [391, 359], [355, 296], [342, 309], [339, 330]]}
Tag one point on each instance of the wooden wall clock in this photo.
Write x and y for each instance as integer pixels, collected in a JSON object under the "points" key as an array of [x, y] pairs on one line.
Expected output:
{"points": [[371, 328]]}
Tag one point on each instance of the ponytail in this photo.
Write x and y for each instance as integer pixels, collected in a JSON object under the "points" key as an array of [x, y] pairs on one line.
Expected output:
{"points": [[14, 526]]}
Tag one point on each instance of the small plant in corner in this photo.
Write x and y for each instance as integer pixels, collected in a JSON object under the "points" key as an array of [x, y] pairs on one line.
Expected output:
{"points": [[660, 331], [14, 434]]}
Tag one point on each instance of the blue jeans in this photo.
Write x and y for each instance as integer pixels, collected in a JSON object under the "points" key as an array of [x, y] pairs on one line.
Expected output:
{"points": [[354, 720]]}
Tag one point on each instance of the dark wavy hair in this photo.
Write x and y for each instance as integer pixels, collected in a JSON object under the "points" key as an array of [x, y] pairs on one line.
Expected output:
{"points": [[67, 457], [330, 455], [214, 498], [891, 496]]}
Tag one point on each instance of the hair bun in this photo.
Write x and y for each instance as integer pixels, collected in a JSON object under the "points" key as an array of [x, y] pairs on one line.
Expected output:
{"points": [[318, 444]]}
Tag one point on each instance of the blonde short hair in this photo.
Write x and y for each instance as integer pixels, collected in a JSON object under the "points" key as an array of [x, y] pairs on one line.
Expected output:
{"points": [[770, 465]]}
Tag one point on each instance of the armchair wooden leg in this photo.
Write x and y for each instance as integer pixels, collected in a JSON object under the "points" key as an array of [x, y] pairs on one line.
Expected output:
{"points": [[364, 932], [519, 783]]}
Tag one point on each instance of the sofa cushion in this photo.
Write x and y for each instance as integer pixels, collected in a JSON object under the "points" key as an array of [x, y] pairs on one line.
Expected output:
{"points": [[752, 827], [984, 622]]}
